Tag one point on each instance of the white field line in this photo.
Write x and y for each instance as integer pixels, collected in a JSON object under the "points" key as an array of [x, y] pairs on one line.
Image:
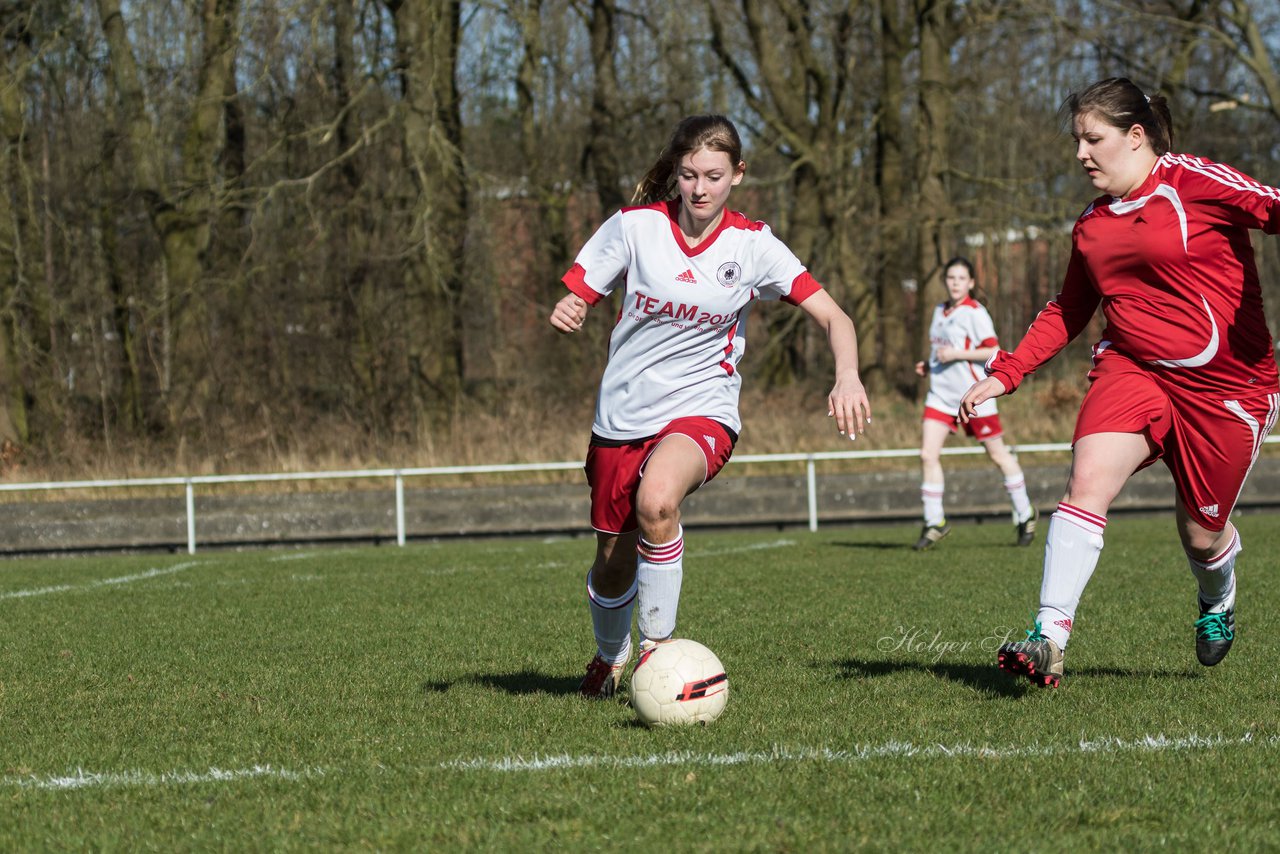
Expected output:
{"points": [[89, 780], [754, 547], [862, 753], [307, 555], [105, 582], [82, 779]]}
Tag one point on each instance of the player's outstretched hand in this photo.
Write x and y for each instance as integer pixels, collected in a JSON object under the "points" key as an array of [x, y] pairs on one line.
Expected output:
{"points": [[979, 392], [569, 314], [849, 405]]}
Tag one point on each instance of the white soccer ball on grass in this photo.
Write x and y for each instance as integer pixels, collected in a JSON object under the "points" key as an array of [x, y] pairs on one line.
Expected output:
{"points": [[678, 681]]}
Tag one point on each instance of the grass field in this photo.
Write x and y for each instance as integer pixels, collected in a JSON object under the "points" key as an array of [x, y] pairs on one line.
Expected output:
{"points": [[423, 699]]}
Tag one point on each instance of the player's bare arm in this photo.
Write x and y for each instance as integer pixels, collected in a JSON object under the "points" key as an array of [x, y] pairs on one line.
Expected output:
{"points": [[848, 402], [980, 392], [569, 314], [947, 355]]}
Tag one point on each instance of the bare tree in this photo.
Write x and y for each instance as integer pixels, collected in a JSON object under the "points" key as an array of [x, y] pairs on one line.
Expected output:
{"points": [[427, 34], [180, 205], [795, 69]]}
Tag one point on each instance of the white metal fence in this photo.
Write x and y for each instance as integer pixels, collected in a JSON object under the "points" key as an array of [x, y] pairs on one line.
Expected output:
{"points": [[398, 476]]}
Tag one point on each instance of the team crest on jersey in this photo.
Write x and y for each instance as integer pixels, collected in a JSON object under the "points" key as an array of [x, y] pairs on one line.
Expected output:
{"points": [[729, 274]]}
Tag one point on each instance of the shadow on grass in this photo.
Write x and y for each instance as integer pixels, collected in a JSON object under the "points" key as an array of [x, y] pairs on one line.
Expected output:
{"points": [[903, 545], [989, 680], [882, 545], [524, 682]]}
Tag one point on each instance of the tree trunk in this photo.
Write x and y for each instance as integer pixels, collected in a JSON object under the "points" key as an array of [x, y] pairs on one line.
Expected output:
{"points": [[181, 210], [933, 205], [892, 343], [427, 33], [602, 148]]}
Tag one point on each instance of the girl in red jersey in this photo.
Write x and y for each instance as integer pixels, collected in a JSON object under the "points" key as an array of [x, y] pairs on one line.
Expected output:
{"points": [[667, 411], [1184, 371], [961, 337]]}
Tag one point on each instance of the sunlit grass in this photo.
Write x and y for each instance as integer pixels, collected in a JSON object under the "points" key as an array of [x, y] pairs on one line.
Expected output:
{"points": [[418, 698]]}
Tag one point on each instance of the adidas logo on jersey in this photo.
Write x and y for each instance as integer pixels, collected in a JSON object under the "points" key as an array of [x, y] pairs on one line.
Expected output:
{"points": [[711, 442], [687, 277], [1211, 510]]}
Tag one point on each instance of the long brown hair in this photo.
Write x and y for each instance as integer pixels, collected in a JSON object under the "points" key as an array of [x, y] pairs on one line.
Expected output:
{"points": [[693, 133], [1120, 103]]}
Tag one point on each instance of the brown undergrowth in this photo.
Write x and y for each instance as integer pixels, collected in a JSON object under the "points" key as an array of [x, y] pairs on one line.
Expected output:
{"points": [[520, 430]]}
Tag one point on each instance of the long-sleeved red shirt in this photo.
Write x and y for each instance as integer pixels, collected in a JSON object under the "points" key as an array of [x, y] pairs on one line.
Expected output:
{"points": [[1172, 266]]}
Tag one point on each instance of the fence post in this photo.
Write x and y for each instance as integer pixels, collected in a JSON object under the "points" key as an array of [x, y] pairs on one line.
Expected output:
{"points": [[399, 509], [191, 517], [811, 472]]}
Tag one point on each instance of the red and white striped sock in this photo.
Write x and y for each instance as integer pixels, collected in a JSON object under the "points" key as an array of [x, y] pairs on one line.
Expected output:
{"points": [[1071, 552], [659, 573], [931, 498], [1016, 486]]}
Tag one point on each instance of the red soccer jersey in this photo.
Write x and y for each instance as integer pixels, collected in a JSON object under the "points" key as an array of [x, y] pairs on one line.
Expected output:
{"points": [[1173, 268]]}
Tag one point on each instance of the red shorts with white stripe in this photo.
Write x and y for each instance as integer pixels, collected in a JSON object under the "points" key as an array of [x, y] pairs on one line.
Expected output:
{"points": [[981, 427], [614, 469], [1208, 444]]}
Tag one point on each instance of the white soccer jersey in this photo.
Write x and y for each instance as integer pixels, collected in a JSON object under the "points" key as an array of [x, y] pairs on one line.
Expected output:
{"points": [[679, 337], [966, 326]]}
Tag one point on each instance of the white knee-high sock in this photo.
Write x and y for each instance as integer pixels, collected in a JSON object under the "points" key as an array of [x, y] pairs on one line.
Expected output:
{"points": [[1016, 486], [931, 498], [659, 573], [611, 620], [1216, 576], [1071, 552]]}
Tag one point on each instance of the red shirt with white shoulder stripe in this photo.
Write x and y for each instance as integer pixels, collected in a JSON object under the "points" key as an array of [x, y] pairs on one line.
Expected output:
{"points": [[1172, 266], [681, 327]]}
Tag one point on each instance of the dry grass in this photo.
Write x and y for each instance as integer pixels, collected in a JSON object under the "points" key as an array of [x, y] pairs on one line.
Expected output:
{"points": [[775, 421]]}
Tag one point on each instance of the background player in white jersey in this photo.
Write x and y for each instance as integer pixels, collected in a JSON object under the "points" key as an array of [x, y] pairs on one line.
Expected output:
{"points": [[1184, 372], [667, 412], [961, 337]]}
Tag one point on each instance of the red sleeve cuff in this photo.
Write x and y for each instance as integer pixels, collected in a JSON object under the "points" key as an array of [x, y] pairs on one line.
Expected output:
{"points": [[576, 281], [802, 288], [1004, 367], [987, 342]]}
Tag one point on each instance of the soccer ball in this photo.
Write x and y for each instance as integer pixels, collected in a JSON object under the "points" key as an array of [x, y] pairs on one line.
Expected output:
{"points": [[679, 681]]}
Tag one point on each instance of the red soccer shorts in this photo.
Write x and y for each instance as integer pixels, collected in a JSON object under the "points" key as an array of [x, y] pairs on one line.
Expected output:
{"points": [[614, 471], [982, 428], [1208, 444]]}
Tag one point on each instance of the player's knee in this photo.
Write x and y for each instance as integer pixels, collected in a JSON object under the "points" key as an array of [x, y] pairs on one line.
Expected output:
{"points": [[1002, 457], [930, 458], [1200, 543], [655, 508]]}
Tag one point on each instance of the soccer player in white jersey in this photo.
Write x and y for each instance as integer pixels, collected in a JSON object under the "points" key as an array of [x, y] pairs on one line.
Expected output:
{"points": [[666, 421], [1184, 371], [961, 338]]}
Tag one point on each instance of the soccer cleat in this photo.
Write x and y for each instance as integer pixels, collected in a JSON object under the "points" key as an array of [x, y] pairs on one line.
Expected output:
{"points": [[1036, 658], [1214, 634], [602, 678], [930, 534], [1027, 528], [647, 646]]}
